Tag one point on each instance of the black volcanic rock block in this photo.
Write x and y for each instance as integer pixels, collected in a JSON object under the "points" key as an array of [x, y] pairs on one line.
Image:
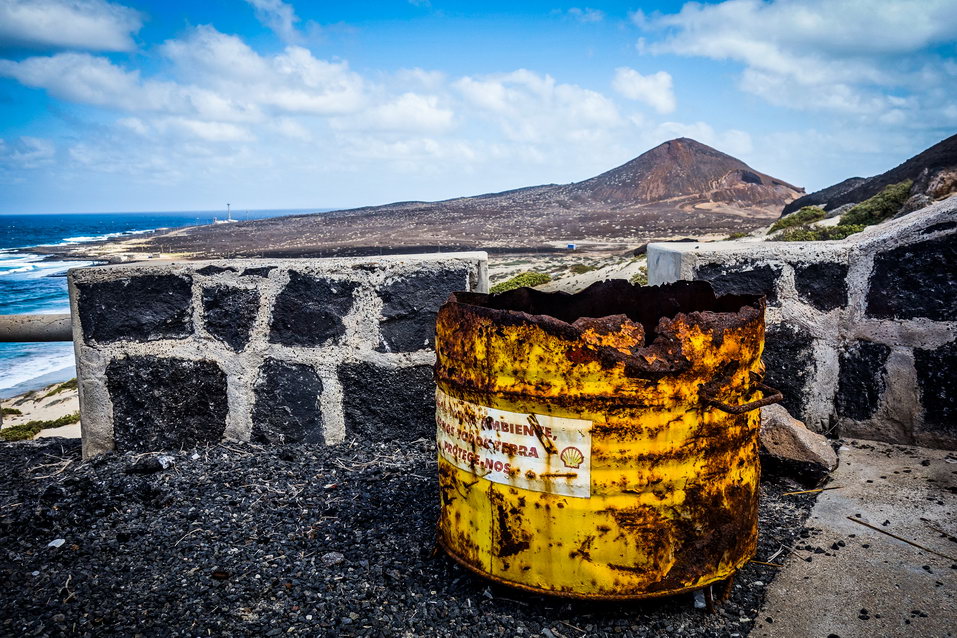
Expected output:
{"points": [[409, 307], [229, 314], [392, 404], [861, 381], [936, 228], [789, 362], [823, 285], [919, 280], [142, 308], [309, 310], [937, 380], [287, 406], [742, 278], [262, 271], [214, 270], [166, 403]]}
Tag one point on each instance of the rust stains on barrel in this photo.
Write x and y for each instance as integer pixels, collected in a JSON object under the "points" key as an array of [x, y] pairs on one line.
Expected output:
{"points": [[658, 491]]}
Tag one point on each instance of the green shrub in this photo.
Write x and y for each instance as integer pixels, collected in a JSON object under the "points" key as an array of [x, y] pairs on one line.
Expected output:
{"points": [[580, 269], [63, 387], [30, 429], [882, 206], [11, 412], [640, 278], [804, 216], [821, 233], [528, 279]]}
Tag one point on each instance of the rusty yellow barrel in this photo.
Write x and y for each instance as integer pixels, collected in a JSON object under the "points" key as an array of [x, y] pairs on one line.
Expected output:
{"points": [[603, 444]]}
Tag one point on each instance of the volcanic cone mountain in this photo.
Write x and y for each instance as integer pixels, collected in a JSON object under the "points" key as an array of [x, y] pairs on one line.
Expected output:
{"points": [[679, 188]]}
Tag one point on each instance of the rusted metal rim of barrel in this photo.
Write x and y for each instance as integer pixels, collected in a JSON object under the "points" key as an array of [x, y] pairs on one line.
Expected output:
{"points": [[590, 596], [656, 308]]}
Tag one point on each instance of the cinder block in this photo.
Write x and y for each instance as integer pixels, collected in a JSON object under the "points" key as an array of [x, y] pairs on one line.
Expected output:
{"points": [[310, 311], [746, 277], [142, 307], [861, 380], [936, 378], [822, 284], [287, 403], [394, 404], [916, 280], [789, 359], [166, 402], [410, 305], [229, 313]]}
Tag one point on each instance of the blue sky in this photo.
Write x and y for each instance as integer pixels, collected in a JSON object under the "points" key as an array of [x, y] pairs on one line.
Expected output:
{"points": [[136, 105]]}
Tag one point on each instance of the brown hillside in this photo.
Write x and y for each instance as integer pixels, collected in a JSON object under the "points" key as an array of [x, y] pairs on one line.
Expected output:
{"points": [[678, 188], [934, 172]]}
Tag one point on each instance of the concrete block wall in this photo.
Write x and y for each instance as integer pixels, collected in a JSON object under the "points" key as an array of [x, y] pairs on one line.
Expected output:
{"points": [[861, 332], [174, 354]]}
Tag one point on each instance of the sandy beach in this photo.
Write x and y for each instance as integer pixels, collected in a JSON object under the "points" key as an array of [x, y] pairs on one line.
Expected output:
{"points": [[47, 404]]}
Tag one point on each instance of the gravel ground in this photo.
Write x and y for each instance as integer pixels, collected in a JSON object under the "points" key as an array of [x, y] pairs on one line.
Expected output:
{"points": [[237, 539]]}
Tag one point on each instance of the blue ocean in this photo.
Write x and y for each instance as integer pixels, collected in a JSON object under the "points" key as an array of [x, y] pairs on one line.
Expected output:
{"points": [[31, 283]]}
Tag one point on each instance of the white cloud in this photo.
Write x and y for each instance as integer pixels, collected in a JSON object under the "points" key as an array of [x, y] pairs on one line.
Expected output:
{"points": [[86, 79], [315, 86], [214, 58], [654, 89], [27, 152], [68, 24], [409, 151], [750, 30], [587, 15], [293, 81], [208, 131], [228, 81], [429, 80], [185, 128], [839, 97], [489, 95], [291, 129], [408, 112], [278, 16], [529, 107], [817, 54], [81, 77]]}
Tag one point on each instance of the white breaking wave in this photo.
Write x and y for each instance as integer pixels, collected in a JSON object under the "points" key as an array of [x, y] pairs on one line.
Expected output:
{"points": [[103, 237], [30, 266], [13, 271], [54, 358]]}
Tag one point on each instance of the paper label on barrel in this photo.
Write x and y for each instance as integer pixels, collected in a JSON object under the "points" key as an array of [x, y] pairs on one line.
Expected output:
{"points": [[529, 451]]}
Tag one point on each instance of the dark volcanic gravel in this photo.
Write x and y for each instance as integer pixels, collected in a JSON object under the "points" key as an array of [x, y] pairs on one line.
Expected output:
{"points": [[238, 539]]}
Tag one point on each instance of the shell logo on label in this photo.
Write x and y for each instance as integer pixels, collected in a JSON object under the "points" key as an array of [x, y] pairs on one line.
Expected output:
{"points": [[572, 457], [529, 451]]}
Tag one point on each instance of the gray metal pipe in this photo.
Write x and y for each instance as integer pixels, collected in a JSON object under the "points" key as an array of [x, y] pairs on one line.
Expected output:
{"points": [[32, 328]]}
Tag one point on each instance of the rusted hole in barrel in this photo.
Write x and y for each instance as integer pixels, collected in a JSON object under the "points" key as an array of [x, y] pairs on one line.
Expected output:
{"points": [[589, 421], [642, 304]]}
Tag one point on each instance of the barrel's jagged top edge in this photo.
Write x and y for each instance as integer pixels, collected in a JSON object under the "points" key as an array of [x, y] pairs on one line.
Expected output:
{"points": [[726, 311], [661, 353]]}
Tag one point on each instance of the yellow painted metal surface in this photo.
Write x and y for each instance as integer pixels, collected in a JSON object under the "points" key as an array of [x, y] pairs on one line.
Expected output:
{"points": [[580, 456]]}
